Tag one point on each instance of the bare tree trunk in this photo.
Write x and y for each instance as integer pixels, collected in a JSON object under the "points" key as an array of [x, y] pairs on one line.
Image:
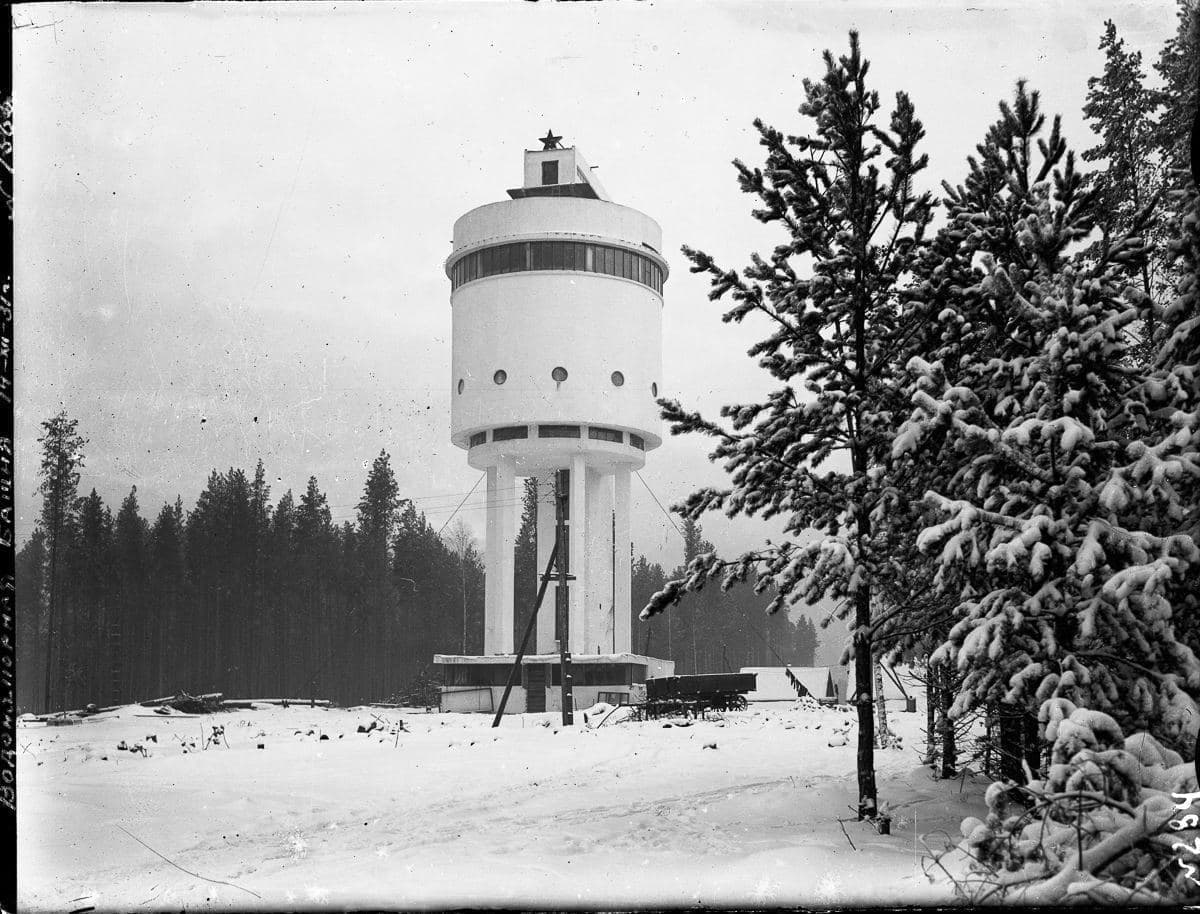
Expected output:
{"points": [[931, 700], [51, 618], [884, 734], [1033, 744], [945, 700], [1011, 743], [670, 638], [989, 730], [695, 665], [867, 796]]}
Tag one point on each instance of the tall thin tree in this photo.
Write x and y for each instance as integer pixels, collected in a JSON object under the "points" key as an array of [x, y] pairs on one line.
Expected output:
{"points": [[844, 197], [62, 458], [461, 542]]}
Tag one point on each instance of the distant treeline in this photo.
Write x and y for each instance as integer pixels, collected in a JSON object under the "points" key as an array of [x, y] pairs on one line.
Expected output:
{"points": [[237, 595], [713, 631], [259, 599]]}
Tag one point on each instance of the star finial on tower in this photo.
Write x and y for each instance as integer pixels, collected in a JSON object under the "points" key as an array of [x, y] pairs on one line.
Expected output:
{"points": [[550, 141]]}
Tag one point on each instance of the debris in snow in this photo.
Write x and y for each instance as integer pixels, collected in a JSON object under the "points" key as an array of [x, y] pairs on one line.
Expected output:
{"points": [[188, 704], [599, 709], [710, 746], [60, 718]]}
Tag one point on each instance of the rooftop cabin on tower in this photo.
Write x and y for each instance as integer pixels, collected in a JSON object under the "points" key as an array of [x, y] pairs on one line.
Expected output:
{"points": [[556, 362]]}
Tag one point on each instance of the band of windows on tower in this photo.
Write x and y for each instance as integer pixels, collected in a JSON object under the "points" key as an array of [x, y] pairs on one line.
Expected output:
{"points": [[594, 433], [583, 257]]}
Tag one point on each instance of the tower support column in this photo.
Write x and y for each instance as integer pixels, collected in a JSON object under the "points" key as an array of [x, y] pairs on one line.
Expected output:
{"points": [[623, 557], [577, 531], [600, 596], [545, 543], [499, 559]]}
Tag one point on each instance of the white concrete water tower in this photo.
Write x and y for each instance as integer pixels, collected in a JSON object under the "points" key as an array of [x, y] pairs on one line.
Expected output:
{"points": [[556, 364]]}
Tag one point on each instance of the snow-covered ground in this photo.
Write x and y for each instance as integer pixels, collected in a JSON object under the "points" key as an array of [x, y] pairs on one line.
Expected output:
{"points": [[451, 813]]}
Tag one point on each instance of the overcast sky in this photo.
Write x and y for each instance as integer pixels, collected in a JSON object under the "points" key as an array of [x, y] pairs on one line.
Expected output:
{"points": [[231, 219]]}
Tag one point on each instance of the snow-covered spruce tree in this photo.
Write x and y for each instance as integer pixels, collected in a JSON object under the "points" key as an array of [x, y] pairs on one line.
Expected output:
{"points": [[1159, 489], [843, 195], [1178, 65], [1120, 110], [961, 327], [1102, 826], [1033, 401], [1154, 495]]}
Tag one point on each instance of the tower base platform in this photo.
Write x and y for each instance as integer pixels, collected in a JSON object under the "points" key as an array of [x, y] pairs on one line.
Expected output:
{"points": [[476, 683]]}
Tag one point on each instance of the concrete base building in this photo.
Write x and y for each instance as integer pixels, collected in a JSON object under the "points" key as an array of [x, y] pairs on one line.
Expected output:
{"points": [[477, 683], [556, 365]]}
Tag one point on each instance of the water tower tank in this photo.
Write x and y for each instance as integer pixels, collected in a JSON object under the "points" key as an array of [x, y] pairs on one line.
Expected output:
{"points": [[556, 363]]}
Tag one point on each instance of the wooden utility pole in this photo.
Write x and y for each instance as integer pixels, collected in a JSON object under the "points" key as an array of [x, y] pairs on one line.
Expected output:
{"points": [[562, 496], [515, 672]]}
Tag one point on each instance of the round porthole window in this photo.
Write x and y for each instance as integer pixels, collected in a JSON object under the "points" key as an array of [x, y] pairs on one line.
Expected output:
{"points": [[654, 389], [559, 374], [461, 385], [500, 376], [618, 379]]}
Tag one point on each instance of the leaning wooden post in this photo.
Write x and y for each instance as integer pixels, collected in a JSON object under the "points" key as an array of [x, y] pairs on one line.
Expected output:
{"points": [[516, 668], [562, 598]]}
